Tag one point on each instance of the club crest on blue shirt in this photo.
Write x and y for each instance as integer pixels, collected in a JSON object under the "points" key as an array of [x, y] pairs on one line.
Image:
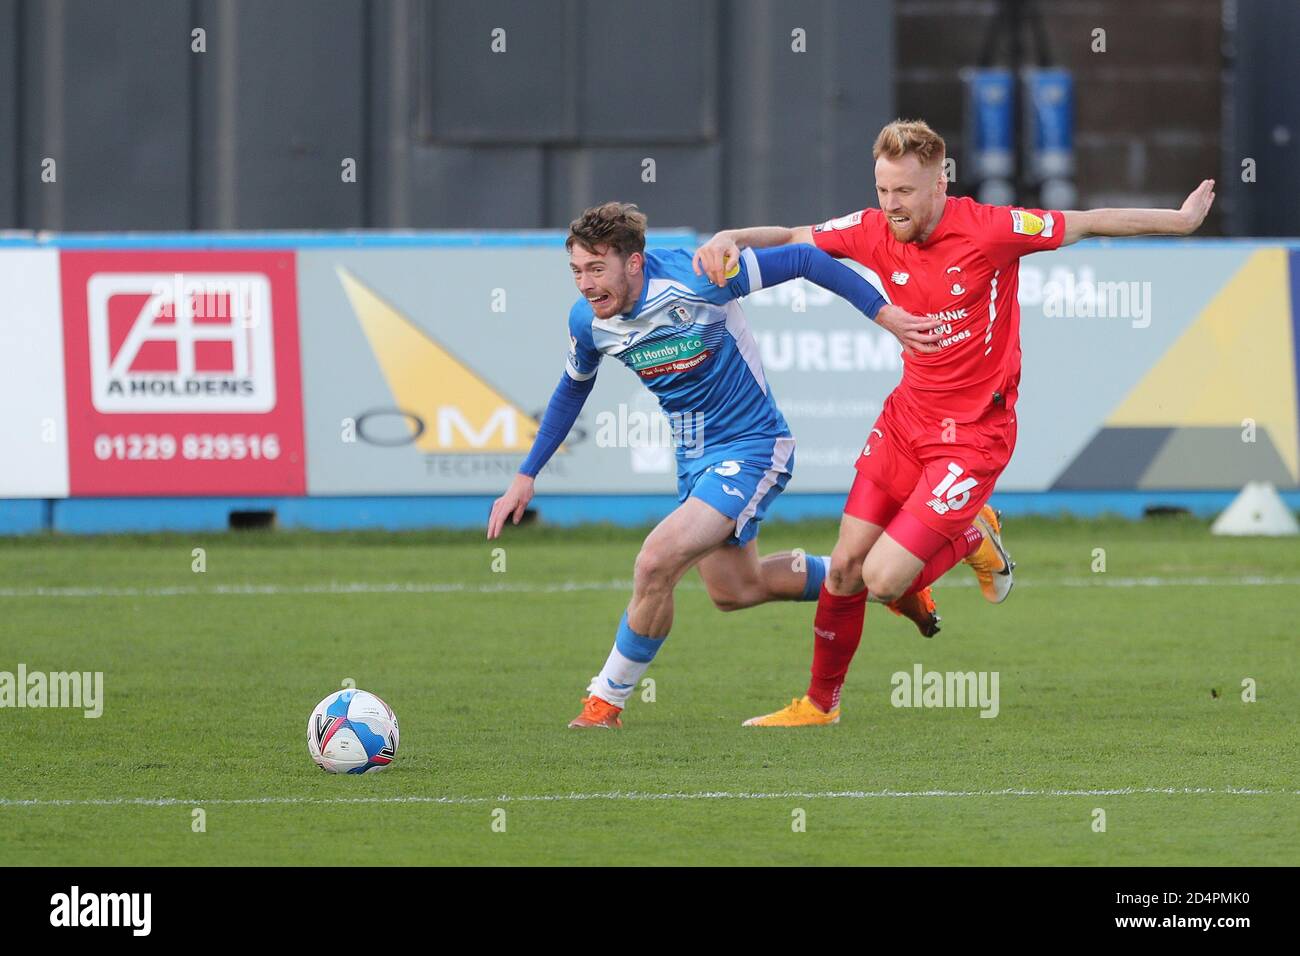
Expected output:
{"points": [[679, 315]]}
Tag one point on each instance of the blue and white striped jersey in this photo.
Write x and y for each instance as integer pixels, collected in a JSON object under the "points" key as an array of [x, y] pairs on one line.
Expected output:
{"points": [[689, 342]]}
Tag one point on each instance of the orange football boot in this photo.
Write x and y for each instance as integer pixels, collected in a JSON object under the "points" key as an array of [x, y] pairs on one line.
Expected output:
{"points": [[597, 713], [802, 712], [919, 609], [991, 562]]}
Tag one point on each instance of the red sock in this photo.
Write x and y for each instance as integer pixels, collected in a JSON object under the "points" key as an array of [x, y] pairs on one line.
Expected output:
{"points": [[946, 558], [837, 631]]}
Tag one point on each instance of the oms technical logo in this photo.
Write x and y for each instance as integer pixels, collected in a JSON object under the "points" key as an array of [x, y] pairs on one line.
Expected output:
{"points": [[443, 407]]}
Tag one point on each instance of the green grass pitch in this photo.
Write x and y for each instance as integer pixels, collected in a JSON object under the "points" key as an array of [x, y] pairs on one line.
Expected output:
{"points": [[1119, 691]]}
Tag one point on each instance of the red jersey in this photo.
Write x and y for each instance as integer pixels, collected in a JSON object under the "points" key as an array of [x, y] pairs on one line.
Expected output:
{"points": [[965, 277]]}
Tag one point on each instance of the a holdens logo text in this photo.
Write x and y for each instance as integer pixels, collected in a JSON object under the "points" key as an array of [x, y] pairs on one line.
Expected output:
{"points": [[662, 358], [180, 342], [75, 908], [74, 689]]}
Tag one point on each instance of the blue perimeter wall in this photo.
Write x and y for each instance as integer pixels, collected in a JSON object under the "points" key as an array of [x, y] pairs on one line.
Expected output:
{"points": [[114, 515], [118, 515]]}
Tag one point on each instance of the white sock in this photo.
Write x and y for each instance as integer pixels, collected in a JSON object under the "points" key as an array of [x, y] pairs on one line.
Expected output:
{"points": [[628, 660], [617, 679]]}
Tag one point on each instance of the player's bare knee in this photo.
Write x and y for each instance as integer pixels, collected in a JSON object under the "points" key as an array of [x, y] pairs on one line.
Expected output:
{"points": [[731, 594], [844, 576], [729, 601], [654, 570], [884, 591], [882, 584]]}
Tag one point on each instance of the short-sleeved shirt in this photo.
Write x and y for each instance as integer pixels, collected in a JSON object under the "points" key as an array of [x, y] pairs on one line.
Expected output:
{"points": [[965, 276]]}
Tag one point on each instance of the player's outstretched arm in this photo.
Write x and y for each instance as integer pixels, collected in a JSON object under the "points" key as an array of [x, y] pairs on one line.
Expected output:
{"points": [[1141, 222], [561, 412], [781, 265], [720, 253]]}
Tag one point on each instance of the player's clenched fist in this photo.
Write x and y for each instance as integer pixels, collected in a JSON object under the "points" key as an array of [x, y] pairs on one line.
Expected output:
{"points": [[510, 505], [715, 257]]}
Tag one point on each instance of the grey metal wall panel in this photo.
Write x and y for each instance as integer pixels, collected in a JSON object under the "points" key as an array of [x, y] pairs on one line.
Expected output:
{"points": [[9, 139], [1266, 115], [656, 79], [106, 96], [859, 90], [393, 55], [463, 187], [281, 105], [252, 133], [797, 125], [524, 94], [685, 191]]}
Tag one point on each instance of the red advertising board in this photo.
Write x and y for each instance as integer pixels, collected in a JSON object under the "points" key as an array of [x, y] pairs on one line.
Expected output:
{"points": [[182, 373]]}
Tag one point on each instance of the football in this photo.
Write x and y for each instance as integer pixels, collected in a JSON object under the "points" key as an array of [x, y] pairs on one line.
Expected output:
{"points": [[352, 731]]}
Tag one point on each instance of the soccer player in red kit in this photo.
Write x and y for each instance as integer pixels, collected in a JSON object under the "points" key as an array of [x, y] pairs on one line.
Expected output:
{"points": [[919, 503]]}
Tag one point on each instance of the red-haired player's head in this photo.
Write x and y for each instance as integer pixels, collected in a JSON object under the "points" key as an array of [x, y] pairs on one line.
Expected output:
{"points": [[910, 182]]}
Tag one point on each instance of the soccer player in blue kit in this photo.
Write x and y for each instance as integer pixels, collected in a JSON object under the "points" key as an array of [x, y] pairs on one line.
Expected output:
{"points": [[688, 341]]}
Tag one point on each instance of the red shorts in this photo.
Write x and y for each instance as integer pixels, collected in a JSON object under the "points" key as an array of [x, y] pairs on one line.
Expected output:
{"points": [[938, 473]]}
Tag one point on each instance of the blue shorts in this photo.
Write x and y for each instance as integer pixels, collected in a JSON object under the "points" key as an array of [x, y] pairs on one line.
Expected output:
{"points": [[740, 480]]}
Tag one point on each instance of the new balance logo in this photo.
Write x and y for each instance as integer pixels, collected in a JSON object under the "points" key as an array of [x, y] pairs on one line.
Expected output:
{"points": [[826, 635], [950, 494], [900, 278]]}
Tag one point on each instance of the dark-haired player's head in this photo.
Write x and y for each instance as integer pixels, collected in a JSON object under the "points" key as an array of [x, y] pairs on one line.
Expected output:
{"points": [[607, 253], [910, 182]]}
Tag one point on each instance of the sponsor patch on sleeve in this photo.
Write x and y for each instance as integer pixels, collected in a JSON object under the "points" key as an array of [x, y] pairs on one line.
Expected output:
{"points": [[1025, 223], [733, 270], [843, 222]]}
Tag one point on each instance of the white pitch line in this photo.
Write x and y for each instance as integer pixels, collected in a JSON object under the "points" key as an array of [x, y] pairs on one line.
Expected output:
{"points": [[634, 795], [1245, 580], [333, 587], [563, 587]]}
